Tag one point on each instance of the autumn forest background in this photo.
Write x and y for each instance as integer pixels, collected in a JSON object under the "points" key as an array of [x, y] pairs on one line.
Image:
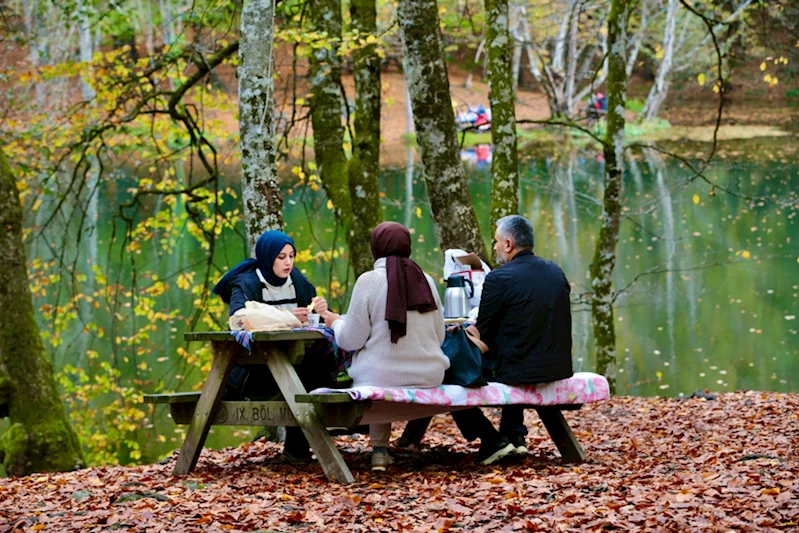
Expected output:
{"points": [[146, 143]]}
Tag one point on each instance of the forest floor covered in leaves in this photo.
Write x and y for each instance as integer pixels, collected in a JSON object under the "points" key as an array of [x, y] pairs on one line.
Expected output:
{"points": [[654, 464]]}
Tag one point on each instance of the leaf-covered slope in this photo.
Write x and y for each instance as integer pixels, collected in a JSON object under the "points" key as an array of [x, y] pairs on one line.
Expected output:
{"points": [[654, 464]]}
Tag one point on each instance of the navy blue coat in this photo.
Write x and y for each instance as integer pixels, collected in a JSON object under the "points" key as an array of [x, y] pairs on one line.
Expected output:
{"points": [[246, 287], [525, 319]]}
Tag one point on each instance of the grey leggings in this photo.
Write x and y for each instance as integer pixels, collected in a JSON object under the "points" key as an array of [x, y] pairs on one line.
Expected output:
{"points": [[379, 434]]}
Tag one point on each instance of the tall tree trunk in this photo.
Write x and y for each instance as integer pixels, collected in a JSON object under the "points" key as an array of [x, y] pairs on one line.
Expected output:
{"points": [[660, 88], [517, 27], [39, 44], [605, 250], [86, 48], [167, 22], [327, 103], [516, 64], [659, 91], [90, 234], [639, 37], [409, 158], [559, 50], [504, 163], [40, 437], [428, 83], [145, 21], [556, 71], [571, 65], [364, 165], [520, 31], [263, 202]]}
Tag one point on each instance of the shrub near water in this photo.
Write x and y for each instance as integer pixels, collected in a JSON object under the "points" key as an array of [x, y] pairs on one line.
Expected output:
{"points": [[106, 415]]}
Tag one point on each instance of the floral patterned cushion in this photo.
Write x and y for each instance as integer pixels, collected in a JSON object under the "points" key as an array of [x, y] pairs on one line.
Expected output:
{"points": [[583, 387]]}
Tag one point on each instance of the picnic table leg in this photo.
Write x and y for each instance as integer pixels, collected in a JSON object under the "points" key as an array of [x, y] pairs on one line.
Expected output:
{"points": [[323, 446], [561, 434], [201, 420]]}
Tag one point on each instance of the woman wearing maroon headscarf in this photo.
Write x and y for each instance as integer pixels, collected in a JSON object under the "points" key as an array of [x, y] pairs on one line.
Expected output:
{"points": [[396, 323]]}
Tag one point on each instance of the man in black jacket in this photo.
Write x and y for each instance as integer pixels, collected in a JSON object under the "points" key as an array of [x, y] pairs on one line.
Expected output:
{"points": [[525, 319]]}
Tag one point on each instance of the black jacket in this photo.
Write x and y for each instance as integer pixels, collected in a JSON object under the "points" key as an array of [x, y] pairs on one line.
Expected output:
{"points": [[525, 319], [246, 287]]}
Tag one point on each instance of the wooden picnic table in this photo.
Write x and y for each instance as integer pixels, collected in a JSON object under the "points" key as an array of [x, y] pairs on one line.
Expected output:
{"points": [[313, 413], [279, 351]]}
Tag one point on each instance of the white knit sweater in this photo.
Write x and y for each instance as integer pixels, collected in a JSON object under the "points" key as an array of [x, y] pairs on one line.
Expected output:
{"points": [[416, 360]]}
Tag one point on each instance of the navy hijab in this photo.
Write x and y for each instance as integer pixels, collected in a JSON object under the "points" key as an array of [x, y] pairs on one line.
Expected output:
{"points": [[269, 245], [267, 249]]}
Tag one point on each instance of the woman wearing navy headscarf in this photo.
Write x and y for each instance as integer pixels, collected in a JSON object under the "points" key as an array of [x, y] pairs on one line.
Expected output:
{"points": [[270, 278], [273, 279]]}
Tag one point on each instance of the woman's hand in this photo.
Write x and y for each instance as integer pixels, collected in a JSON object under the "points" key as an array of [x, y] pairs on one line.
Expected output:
{"points": [[319, 305], [301, 313], [330, 317]]}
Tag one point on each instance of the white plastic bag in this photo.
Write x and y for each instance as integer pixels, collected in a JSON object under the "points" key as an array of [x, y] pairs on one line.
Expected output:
{"points": [[460, 263], [257, 316]]}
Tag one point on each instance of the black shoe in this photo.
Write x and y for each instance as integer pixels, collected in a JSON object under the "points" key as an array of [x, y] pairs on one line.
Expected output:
{"points": [[357, 430], [289, 458], [296, 448], [519, 444], [492, 451]]}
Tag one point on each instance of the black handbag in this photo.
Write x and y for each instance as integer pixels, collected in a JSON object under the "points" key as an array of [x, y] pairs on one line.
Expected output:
{"points": [[465, 359]]}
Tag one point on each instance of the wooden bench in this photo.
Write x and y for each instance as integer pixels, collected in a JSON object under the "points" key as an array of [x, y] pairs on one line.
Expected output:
{"points": [[381, 411], [335, 414], [318, 412], [339, 411]]}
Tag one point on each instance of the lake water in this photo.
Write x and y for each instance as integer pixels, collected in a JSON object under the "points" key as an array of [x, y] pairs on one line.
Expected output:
{"points": [[711, 281]]}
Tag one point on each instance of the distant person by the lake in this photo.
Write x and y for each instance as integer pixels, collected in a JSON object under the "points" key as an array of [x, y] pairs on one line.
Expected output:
{"points": [[396, 322], [525, 319], [272, 278]]}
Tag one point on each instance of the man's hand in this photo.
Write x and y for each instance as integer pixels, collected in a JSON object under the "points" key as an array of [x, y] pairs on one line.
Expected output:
{"points": [[319, 305], [330, 317], [301, 313]]}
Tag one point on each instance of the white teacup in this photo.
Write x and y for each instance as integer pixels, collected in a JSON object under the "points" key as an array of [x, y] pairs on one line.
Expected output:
{"points": [[313, 319]]}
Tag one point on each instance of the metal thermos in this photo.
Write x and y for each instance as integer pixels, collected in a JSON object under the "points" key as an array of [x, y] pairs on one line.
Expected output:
{"points": [[456, 299]]}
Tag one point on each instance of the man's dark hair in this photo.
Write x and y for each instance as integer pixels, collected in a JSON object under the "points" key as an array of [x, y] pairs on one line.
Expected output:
{"points": [[518, 229]]}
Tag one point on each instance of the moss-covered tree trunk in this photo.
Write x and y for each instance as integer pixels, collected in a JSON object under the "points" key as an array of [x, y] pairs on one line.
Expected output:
{"points": [[504, 163], [263, 202], [364, 165], [40, 437], [605, 249], [327, 104], [428, 83]]}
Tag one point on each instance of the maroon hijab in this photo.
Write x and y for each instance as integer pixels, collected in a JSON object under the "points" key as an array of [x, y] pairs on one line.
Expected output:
{"points": [[407, 286]]}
